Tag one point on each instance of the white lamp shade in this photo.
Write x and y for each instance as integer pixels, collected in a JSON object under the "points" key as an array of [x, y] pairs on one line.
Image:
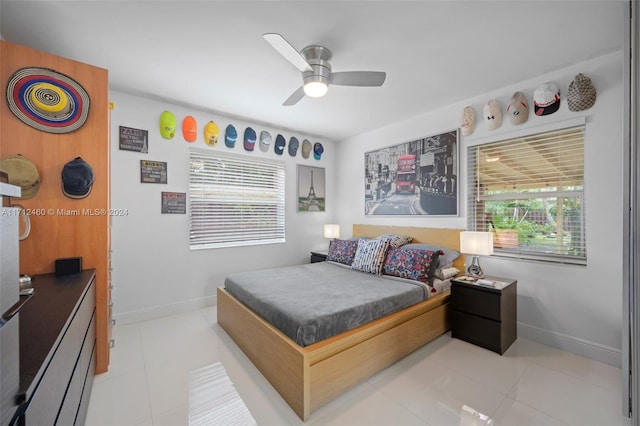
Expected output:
{"points": [[332, 231], [479, 243]]}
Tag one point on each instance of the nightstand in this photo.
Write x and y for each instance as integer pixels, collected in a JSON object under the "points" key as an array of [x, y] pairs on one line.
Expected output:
{"points": [[317, 256], [484, 316]]}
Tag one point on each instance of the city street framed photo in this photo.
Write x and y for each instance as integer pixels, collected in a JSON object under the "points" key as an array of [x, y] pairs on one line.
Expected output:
{"points": [[419, 177], [311, 189]]}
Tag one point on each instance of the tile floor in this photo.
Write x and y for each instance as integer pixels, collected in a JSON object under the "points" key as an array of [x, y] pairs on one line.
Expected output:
{"points": [[532, 384]]}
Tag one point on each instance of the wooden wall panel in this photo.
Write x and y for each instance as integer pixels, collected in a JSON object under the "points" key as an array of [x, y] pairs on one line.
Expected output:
{"points": [[54, 234]]}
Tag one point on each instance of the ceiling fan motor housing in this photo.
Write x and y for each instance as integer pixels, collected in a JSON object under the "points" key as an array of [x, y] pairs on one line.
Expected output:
{"points": [[318, 58]]}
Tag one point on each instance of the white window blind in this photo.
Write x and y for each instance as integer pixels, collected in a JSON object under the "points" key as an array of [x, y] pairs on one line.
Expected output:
{"points": [[529, 191], [235, 200]]}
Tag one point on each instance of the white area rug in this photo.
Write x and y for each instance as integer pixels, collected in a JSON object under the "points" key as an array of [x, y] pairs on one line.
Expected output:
{"points": [[213, 399]]}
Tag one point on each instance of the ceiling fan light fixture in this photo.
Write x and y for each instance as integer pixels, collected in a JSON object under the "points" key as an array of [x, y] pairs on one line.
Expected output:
{"points": [[316, 89], [313, 61]]}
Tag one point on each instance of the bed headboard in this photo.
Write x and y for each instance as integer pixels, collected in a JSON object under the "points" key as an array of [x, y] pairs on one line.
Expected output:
{"points": [[446, 237]]}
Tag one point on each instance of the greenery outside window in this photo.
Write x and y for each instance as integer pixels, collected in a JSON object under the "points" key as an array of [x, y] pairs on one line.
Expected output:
{"points": [[529, 191], [235, 200]]}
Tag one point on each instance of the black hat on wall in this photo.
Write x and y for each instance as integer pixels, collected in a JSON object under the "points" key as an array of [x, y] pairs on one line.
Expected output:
{"points": [[77, 178]]}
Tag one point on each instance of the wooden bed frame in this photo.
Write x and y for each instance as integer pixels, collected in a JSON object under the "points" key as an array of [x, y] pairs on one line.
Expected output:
{"points": [[308, 377]]}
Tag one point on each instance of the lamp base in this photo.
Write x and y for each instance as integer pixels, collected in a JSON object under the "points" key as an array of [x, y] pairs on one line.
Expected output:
{"points": [[474, 270]]}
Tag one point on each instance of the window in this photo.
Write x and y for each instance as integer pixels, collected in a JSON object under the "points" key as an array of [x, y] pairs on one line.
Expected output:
{"points": [[234, 200], [529, 192]]}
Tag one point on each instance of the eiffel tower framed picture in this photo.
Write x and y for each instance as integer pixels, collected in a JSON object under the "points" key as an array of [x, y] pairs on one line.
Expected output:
{"points": [[311, 189]]}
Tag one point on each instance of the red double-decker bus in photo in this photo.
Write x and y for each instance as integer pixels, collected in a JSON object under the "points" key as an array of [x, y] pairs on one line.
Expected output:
{"points": [[406, 174]]}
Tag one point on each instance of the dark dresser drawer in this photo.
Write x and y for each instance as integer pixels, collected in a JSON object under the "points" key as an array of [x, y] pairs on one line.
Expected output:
{"points": [[69, 408]]}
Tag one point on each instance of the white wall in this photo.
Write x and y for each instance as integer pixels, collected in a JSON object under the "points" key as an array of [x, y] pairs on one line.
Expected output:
{"points": [[571, 307], [154, 272]]}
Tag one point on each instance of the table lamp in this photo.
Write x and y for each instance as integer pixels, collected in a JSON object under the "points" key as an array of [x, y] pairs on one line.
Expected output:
{"points": [[331, 230], [476, 244]]}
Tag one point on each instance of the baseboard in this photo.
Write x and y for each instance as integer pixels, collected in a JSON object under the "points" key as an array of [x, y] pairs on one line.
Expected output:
{"points": [[164, 310], [606, 354]]}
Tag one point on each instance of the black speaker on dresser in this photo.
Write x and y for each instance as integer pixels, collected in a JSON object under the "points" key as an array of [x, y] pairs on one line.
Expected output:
{"points": [[68, 265]]}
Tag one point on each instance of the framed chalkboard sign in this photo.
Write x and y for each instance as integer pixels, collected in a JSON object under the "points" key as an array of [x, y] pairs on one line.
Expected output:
{"points": [[153, 171], [136, 140], [174, 203]]}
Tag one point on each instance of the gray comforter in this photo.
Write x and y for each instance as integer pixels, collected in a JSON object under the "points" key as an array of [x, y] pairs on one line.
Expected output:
{"points": [[315, 301]]}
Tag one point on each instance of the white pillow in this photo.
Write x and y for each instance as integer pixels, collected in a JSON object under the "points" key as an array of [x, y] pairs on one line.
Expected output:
{"points": [[445, 273]]}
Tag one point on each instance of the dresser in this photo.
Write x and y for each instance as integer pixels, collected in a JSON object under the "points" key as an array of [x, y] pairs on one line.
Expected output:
{"points": [[485, 316], [57, 350]]}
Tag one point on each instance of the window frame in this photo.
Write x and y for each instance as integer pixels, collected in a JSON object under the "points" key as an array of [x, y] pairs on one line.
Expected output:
{"points": [[475, 199], [217, 210]]}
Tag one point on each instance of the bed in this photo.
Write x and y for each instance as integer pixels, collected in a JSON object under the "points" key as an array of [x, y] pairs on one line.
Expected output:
{"points": [[309, 376]]}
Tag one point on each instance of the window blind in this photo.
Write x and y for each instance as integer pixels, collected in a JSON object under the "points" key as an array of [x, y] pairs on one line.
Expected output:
{"points": [[235, 200], [529, 191]]}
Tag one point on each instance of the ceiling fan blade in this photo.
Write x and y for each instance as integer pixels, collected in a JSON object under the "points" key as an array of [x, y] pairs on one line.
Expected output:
{"points": [[295, 97], [288, 51], [358, 78]]}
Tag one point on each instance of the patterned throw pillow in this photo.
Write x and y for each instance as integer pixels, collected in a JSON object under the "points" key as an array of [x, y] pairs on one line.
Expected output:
{"points": [[411, 264], [342, 251], [370, 256], [396, 240]]}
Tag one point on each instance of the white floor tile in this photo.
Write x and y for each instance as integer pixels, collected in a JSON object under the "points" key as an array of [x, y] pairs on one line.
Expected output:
{"points": [[497, 372], [567, 398], [210, 314], [121, 400], [178, 416], [365, 405], [260, 398], [168, 387], [126, 355], [512, 412], [531, 384], [595, 372], [437, 393], [172, 325], [192, 345]]}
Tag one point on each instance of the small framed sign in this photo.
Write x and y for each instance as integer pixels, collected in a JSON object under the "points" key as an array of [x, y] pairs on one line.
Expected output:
{"points": [[174, 203], [134, 139], [153, 171]]}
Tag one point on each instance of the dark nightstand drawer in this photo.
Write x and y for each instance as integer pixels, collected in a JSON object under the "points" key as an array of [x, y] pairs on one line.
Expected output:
{"points": [[479, 331], [318, 257], [477, 301]]}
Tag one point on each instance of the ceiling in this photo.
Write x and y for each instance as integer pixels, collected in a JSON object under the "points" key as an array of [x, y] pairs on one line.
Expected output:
{"points": [[210, 55]]}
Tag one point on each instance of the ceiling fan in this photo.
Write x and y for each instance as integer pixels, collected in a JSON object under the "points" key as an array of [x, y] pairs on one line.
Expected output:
{"points": [[313, 61]]}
